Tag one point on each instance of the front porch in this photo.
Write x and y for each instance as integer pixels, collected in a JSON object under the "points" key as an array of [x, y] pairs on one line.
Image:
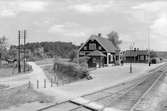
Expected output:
{"points": [[99, 59]]}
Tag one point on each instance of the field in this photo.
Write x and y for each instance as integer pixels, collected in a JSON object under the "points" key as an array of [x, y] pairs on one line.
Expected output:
{"points": [[8, 70], [3, 86], [21, 95]]}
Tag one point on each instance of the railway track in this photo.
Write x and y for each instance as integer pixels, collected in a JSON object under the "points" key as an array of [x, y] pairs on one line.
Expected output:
{"points": [[130, 99], [125, 96]]}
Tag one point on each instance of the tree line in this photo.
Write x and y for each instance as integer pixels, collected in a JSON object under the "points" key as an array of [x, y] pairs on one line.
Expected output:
{"points": [[49, 49]]}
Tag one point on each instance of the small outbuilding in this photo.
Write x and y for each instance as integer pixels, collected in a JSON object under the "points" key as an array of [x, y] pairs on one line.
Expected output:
{"points": [[136, 56]]}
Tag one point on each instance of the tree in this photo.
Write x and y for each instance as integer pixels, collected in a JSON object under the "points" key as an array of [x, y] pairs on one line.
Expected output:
{"points": [[73, 55], [114, 38], [12, 53], [3, 48]]}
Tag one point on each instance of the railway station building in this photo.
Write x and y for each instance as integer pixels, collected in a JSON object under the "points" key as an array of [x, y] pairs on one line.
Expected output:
{"points": [[100, 51]]}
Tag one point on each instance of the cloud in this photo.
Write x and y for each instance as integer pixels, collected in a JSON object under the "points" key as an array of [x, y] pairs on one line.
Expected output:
{"points": [[67, 29], [72, 32], [7, 12], [154, 6], [12, 8], [57, 28], [156, 13], [159, 26], [90, 7]]}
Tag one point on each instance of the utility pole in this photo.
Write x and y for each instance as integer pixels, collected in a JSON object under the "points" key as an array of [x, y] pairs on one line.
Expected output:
{"points": [[149, 58], [24, 50], [19, 65], [21, 35]]}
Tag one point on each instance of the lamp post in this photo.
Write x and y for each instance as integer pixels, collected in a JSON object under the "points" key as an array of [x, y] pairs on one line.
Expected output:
{"points": [[148, 36], [149, 58], [131, 49]]}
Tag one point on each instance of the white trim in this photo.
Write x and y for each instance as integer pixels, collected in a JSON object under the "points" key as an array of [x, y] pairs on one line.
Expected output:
{"points": [[84, 44], [107, 58]]}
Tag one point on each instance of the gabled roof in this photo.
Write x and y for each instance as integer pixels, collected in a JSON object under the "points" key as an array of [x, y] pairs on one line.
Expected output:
{"points": [[104, 42]]}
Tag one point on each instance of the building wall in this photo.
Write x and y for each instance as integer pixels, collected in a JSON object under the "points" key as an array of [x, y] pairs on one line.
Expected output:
{"points": [[136, 59]]}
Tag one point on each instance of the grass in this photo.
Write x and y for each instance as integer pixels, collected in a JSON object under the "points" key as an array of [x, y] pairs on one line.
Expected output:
{"points": [[21, 95], [6, 72], [9, 70], [49, 61], [45, 61], [3, 86], [58, 75]]}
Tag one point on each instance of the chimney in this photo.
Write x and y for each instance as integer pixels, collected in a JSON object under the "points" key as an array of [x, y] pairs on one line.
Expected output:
{"points": [[99, 34]]}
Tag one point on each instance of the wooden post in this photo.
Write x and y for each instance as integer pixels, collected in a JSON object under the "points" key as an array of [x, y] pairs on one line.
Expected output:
{"points": [[44, 83], [107, 59], [37, 84], [29, 84], [51, 82], [62, 80], [24, 50]]}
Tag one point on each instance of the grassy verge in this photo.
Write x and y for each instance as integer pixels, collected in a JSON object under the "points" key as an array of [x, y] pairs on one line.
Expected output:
{"points": [[8, 70], [58, 76], [45, 61], [49, 61], [21, 95], [3, 86]]}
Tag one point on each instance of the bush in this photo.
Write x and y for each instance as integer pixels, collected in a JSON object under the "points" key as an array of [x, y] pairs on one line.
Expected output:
{"points": [[72, 69]]}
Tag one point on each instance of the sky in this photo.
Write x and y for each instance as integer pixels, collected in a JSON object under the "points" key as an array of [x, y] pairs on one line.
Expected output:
{"points": [[141, 22]]}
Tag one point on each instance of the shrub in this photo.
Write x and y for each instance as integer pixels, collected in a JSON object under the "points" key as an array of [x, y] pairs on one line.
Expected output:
{"points": [[82, 61], [72, 69]]}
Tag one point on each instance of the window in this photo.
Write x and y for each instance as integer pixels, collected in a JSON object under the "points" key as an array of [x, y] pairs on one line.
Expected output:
{"points": [[85, 48], [92, 46], [82, 53], [141, 57], [100, 48]]}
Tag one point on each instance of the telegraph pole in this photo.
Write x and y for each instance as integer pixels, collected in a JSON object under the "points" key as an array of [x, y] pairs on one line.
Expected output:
{"points": [[19, 65], [149, 58], [24, 50], [21, 35]]}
